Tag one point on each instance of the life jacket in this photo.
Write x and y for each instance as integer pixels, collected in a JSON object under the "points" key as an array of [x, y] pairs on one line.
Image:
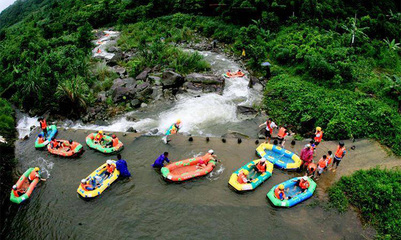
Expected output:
{"points": [[277, 193], [33, 175], [260, 167], [228, 73], [98, 137], [115, 142], [339, 152], [318, 136], [241, 178], [322, 163], [110, 168], [54, 143], [304, 184], [329, 159], [85, 186], [18, 192], [43, 124], [41, 140], [282, 132], [311, 166]]}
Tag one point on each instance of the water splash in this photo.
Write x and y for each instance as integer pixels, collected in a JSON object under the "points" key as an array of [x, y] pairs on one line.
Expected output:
{"points": [[45, 166], [24, 125]]}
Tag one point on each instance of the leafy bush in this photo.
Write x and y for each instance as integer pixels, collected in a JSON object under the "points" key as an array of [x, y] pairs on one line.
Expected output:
{"points": [[375, 193], [6, 119]]}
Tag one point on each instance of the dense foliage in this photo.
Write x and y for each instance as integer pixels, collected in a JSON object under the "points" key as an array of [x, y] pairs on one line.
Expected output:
{"points": [[6, 119], [376, 194]]}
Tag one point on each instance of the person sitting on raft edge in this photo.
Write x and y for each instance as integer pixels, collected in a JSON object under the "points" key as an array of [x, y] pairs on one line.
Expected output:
{"points": [[242, 177], [41, 139], [70, 145], [303, 183], [159, 162], [109, 168], [86, 186], [54, 143], [122, 166], [18, 192], [280, 193], [35, 174], [113, 142], [260, 167], [99, 137]]}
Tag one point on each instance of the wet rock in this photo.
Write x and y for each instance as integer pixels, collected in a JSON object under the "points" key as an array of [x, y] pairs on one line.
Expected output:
{"points": [[135, 103], [113, 49], [172, 79], [102, 122], [252, 81], [157, 93], [154, 131], [144, 105], [168, 94], [101, 97], [246, 110], [258, 87], [144, 74], [120, 71], [233, 134], [131, 129], [26, 137], [261, 133], [123, 93], [115, 59], [204, 82], [130, 117], [144, 91], [155, 80], [32, 127]]}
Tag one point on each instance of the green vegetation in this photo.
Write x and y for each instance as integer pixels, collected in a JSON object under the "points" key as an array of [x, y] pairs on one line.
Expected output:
{"points": [[375, 193], [6, 119]]}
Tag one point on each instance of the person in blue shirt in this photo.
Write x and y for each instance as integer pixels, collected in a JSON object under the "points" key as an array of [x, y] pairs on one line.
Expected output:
{"points": [[159, 163], [122, 166]]}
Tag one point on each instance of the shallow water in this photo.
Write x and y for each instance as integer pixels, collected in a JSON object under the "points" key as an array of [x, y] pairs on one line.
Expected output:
{"points": [[148, 207]]}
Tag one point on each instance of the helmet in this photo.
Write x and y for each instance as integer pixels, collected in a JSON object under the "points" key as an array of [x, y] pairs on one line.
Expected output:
{"points": [[100, 131], [305, 178], [109, 162], [211, 151], [341, 143], [15, 187], [36, 169], [281, 186], [307, 145], [70, 141], [40, 135], [113, 136], [178, 121], [83, 181], [318, 129], [228, 70], [246, 172], [262, 160]]}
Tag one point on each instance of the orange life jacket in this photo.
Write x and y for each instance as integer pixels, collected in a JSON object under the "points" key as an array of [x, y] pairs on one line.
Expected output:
{"points": [[277, 193], [41, 140], [329, 159], [304, 184], [85, 186], [43, 124], [260, 167], [228, 73], [240, 178], [110, 168], [322, 163], [311, 166], [33, 175], [18, 192], [54, 142], [282, 133], [318, 136], [115, 142], [98, 137], [339, 152]]}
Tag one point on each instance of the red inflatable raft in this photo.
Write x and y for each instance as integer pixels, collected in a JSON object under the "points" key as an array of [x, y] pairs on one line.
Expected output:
{"points": [[65, 149], [187, 169]]}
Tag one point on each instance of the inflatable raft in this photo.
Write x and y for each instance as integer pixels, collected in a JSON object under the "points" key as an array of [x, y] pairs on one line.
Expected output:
{"points": [[258, 178], [51, 132], [234, 75], [102, 147], [280, 157], [72, 151], [292, 191], [103, 185], [24, 183], [186, 169]]}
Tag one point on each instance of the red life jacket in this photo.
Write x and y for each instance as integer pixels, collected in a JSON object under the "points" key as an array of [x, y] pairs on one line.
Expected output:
{"points": [[18, 192], [98, 137], [311, 167], [260, 167], [269, 126], [85, 186], [43, 124], [240, 178], [277, 193], [110, 168], [339, 152], [115, 142], [55, 143], [322, 163], [304, 184], [41, 140], [318, 136], [282, 132]]}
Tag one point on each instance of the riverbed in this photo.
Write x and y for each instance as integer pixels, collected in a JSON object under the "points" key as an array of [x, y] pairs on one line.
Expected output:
{"points": [[147, 207]]}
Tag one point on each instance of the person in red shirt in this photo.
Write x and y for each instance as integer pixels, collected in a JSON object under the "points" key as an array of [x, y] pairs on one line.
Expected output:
{"points": [[43, 125]]}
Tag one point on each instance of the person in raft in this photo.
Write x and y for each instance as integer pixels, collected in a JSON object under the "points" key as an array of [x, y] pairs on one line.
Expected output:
{"points": [[99, 137], [228, 73], [282, 133], [260, 167], [321, 165], [318, 136], [339, 155], [43, 125], [306, 156], [109, 168], [210, 155], [159, 162], [122, 166], [69, 145], [280, 193], [201, 164], [242, 176], [113, 142], [35, 174], [18, 192], [86, 186], [270, 125], [41, 139], [54, 143], [302, 183]]}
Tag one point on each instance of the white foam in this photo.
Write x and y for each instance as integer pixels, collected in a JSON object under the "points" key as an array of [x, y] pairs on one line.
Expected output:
{"points": [[24, 125]]}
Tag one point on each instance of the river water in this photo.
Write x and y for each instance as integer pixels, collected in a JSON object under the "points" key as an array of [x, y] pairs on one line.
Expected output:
{"points": [[147, 207]]}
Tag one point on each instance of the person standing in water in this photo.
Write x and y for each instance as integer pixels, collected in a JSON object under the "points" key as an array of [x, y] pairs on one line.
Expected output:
{"points": [[122, 166], [159, 162]]}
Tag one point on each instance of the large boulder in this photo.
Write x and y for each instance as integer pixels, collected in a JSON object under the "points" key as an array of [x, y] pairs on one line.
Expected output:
{"points": [[204, 82], [244, 110], [121, 94], [155, 80], [144, 74], [172, 79], [157, 93], [143, 91], [101, 97]]}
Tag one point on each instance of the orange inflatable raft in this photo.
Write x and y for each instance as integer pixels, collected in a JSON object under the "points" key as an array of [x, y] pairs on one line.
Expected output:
{"points": [[233, 75], [187, 169], [65, 150]]}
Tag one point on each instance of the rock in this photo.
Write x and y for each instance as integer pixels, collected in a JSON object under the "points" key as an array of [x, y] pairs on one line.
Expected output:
{"points": [[258, 87], [120, 70], [261, 133], [154, 131], [32, 127], [131, 129], [155, 80], [157, 93], [115, 59], [204, 78], [129, 82], [26, 137], [144, 74], [144, 91], [135, 103], [142, 86], [102, 123], [233, 134], [168, 94], [113, 49], [101, 97], [118, 82], [144, 105], [131, 117], [246, 110], [172, 79], [123, 93]]}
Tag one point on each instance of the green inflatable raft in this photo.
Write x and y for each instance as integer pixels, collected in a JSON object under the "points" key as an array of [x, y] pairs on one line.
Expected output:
{"points": [[51, 132], [102, 147]]}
